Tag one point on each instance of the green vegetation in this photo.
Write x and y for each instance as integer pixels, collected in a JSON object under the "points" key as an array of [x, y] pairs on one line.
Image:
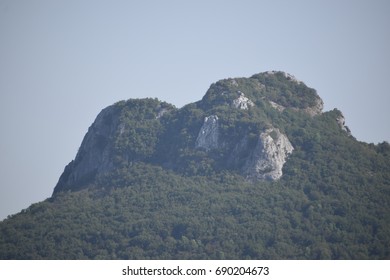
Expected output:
{"points": [[139, 129], [286, 92], [151, 213], [167, 200]]}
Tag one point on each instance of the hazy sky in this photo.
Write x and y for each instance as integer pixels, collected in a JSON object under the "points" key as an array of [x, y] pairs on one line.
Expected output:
{"points": [[61, 62]]}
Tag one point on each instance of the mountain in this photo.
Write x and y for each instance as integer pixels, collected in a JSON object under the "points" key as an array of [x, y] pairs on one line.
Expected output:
{"points": [[254, 170], [231, 128]]}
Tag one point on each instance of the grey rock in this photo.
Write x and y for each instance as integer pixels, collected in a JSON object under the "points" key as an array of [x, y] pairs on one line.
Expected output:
{"points": [[270, 154], [341, 122], [277, 106], [242, 102], [286, 75], [95, 153], [208, 136], [316, 109]]}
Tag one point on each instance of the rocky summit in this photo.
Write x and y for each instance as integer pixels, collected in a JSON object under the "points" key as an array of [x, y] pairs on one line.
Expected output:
{"points": [[256, 169], [231, 127]]}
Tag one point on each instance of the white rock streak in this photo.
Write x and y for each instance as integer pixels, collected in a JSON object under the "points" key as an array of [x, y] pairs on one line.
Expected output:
{"points": [[269, 156], [242, 102], [208, 137]]}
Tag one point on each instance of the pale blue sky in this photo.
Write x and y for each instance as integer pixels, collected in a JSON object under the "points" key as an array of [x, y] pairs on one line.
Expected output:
{"points": [[61, 62]]}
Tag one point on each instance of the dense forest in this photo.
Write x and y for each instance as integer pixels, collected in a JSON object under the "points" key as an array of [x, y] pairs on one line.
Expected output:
{"points": [[159, 197]]}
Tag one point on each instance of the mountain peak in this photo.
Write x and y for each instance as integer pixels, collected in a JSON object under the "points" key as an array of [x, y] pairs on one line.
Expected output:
{"points": [[239, 126], [286, 75], [281, 90]]}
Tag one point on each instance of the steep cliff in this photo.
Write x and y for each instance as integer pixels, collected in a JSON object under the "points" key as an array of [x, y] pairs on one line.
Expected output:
{"points": [[95, 154], [121, 134], [208, 137], [270, 154]]}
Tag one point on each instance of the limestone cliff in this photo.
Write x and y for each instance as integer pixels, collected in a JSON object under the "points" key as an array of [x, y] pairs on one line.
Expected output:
{"points": [[270, 154], [95, 153], [208, 136], [264, 162]]}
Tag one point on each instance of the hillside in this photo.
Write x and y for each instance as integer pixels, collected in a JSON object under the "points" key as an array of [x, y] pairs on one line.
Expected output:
{"points": [[254, 170]]}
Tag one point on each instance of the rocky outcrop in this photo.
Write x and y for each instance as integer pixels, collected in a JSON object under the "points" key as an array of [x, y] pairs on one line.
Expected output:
{"points": [[341, 122], [286, 75], [276, 106], [208, 136], [242, 102], [115, 138], [312, 111], [264, 161], [316, 109], [270, 154], [295, 96], [95, 153]]}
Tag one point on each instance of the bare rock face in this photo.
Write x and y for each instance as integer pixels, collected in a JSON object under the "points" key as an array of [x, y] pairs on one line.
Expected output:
{"points": [[341, 122], [269, 156], [265, 160], [95, 153], [242, 102], [316, 109], [208, 137], [111, 141], [277, 106]]}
